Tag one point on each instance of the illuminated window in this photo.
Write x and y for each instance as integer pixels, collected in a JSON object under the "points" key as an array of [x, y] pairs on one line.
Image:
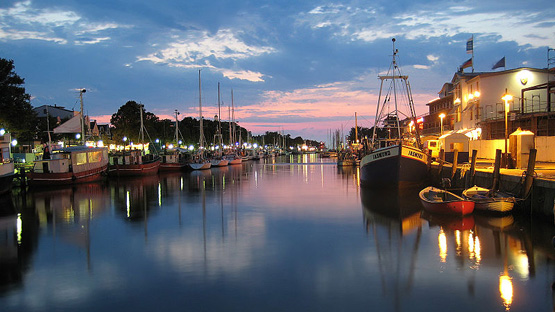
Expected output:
{"points": [[95, 157], [80, 158]]}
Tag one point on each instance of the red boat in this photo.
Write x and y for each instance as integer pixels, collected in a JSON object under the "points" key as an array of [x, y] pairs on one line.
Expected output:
{"points": [[70, 165], [436, 200], [133, 163], [175, 160]]}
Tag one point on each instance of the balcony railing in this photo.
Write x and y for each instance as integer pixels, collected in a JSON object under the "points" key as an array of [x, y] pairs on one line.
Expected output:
{"points": [[497, 111]]}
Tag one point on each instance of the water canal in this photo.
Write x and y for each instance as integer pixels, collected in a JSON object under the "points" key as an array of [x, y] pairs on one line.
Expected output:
{"points": [[296, 234]]}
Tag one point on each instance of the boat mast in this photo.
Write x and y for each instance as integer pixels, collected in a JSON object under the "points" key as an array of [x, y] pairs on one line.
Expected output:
{"points": [[141, 132], [82, 116], [48, 128], [233, 117], [219, 134], [356, 129], [176, 128], [229, 111], [201, 139], [395, 69]]}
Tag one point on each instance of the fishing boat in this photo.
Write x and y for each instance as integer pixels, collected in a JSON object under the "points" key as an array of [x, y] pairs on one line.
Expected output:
{"points": [[70, 165], [6, 163], [199, 161], [134, 162], [395, 157], [233, 159], [489, 200], [346, 159], [176, 159], [440, 201]]}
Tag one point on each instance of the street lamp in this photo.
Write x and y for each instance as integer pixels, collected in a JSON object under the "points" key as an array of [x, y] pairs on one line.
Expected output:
{"points": [[506, 97], [441, 116]]}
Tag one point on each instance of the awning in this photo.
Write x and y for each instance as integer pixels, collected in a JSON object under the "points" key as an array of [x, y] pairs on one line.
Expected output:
{"points": [[71, 126]]}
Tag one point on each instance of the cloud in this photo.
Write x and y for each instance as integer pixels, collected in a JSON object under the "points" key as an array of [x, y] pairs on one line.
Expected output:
{"points": [[421, 66], [9, 34], [22, 21], [371, 23], [200, 49], [243, 75], [432, 58], [91, 41], [23, 13]]}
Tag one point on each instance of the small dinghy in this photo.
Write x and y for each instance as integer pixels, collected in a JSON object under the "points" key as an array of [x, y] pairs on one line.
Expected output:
{"points": [[490, 200], [436, 200]]}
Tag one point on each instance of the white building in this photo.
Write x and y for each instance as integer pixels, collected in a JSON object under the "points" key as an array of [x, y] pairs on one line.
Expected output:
{"points": [[477, 97]]}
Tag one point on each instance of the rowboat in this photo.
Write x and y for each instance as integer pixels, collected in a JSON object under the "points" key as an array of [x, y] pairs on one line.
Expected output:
{"points": [[436, 200], [489, 200]]}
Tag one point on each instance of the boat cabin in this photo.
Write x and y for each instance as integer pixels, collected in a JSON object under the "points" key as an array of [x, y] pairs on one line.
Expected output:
{"points": [[72, 159]]}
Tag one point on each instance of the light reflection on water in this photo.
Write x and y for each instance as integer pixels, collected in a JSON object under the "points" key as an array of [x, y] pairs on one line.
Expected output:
{"points": [[264, 235]]}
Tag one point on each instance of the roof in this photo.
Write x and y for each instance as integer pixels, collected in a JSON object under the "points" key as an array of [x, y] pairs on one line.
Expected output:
{"points": [[78, 148]]}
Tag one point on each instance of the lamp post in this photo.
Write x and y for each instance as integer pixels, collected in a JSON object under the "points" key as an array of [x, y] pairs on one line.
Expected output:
{"points": [[507, 97], [441, 116]]}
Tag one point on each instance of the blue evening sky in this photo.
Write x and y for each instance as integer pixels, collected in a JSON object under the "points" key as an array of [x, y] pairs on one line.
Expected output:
{"points": [[304, 67]]}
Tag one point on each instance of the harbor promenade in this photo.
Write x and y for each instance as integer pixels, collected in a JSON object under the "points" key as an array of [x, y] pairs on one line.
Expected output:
{"points": [[544, 170]]}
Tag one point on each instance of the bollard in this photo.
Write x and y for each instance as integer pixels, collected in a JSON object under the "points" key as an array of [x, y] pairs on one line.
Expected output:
{"points": [[455, 164], [496, 167], [529, 173], [441, 161]]}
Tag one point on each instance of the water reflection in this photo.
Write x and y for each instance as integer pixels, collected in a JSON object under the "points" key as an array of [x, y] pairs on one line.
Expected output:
{"points": [[264, 235], [10, 240], [498, 247], [135, 197]]}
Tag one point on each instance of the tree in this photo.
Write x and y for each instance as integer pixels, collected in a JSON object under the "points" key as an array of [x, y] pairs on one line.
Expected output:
{"points": [[362, 132], [16, 112], [127, 122]]}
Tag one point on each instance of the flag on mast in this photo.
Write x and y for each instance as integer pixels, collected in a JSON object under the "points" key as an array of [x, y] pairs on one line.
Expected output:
{"points": [[500, 63], [467, 64], [470, 45]]}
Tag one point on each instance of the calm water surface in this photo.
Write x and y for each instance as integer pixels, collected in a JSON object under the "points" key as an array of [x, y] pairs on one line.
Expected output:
{"points": [[263, 236]]}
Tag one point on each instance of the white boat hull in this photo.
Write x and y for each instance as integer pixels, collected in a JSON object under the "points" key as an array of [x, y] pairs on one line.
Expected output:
{"points": [[200, 166]]}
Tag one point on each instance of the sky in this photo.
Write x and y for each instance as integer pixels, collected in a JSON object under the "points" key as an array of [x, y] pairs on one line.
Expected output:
{"points": [[301, 67]]}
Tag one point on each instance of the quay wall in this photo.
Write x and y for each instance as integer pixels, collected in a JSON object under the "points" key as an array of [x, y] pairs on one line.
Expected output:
{"points": [[540, 201], [545, 146]]}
